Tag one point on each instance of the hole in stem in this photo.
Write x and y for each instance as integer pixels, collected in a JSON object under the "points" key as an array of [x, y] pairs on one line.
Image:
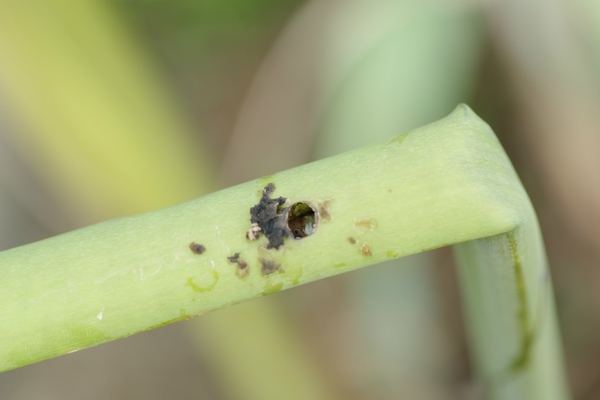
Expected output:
{"points": [[301, 220]]}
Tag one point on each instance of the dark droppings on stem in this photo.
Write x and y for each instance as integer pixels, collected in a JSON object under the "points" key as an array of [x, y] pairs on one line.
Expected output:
{"points": [[352, 240], [234, 258], [269, 266], [197, 248], [266, 215], [270, 218]]}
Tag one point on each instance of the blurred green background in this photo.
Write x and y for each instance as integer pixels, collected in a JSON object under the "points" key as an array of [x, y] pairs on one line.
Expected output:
{"points": [[111, 108]]}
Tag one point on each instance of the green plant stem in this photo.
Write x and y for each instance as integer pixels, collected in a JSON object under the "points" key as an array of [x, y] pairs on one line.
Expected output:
{"points": [[446, 183]]}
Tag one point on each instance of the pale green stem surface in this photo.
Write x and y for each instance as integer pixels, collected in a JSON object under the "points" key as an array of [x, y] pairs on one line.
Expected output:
{"points": [[446, 183]]}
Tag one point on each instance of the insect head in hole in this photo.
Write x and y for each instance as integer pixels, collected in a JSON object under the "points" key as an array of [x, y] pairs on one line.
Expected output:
{"points": [[302, 226]]}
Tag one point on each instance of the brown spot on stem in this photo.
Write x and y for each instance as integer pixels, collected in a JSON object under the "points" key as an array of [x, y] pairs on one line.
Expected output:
{"points": [[269, 266], [197, 248], [242, 269], [324, 210], [365, 250], [365, 224], [352, 240]]}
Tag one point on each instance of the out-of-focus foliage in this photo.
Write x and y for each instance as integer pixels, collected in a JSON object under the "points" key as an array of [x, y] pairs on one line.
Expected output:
{"points": [[89, 100], [211, 49]]}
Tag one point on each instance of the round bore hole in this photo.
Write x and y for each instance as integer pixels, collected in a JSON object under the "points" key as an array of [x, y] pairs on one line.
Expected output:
{"points": [[301, 220]]}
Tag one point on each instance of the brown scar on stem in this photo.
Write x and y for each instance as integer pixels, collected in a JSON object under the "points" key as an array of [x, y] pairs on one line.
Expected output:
{"points": [[365, 249], [242, 269], [367, 224], [197, 248], [352, 240], [324, 210], [269, 266]]}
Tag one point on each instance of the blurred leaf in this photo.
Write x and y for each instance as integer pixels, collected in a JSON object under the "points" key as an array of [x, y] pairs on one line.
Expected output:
{"points": [[95, 110], [422, 62]]}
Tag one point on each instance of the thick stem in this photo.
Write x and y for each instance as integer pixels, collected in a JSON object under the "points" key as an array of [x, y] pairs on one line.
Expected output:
{"points": [[446, 183]]}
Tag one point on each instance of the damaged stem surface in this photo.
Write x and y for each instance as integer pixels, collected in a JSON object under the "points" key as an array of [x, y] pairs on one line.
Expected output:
{"points": [[446, 183]]}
